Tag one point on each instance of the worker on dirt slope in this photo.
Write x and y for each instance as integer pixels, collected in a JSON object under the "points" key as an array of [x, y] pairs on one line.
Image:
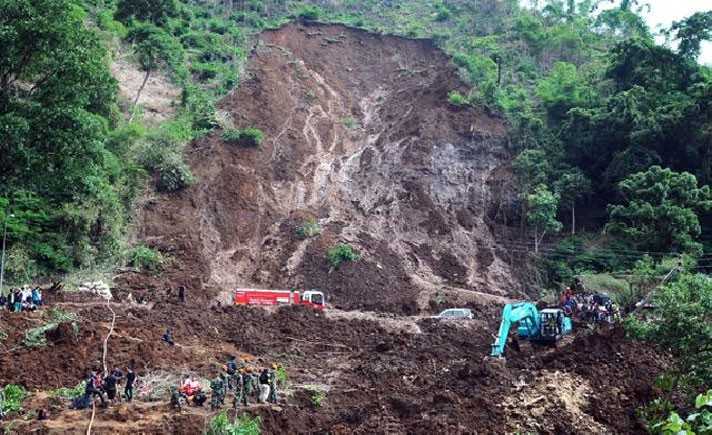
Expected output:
{"points": [[231, 370], [247, 384], [168, 337], [110, 384], [93, 387], [175, 398], [217, 398], [238, 390], [264, 386], [130, 378], [181, 294], [272, 398]]}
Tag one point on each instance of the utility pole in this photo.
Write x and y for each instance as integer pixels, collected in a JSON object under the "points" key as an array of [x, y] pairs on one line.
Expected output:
{"points": [[2, 260]]}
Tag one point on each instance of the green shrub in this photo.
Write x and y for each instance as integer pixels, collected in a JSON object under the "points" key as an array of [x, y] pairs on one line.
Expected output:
{"points": [[242, 425], [68, 393], [247, 137], [145, 258], [173, 174], [317, 398], [310, 228], [11, 398], [281, 374], [442, 12], [341, 253], [204, 71], [349, 123], [661, 418], [680, 324], [309, 13], [457, 99]]}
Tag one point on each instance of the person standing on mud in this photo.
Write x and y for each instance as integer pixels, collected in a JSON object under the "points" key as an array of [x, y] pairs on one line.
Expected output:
{"points": [[181, 294], [168, 337], [264, 386], [130, 378], [239, 390], [110, 384], [272, 398], [247, 383], [231, 370]]}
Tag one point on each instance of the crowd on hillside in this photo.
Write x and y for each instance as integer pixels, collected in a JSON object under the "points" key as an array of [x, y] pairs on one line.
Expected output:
{"points": [[24, 299]]}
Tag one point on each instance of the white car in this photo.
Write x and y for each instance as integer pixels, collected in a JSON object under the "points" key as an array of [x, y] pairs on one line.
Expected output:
{"points": [[456, 314]]}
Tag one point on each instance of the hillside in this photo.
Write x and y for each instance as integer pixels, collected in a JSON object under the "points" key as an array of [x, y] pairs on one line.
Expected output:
{"points": [[403, 157], [359, 136]]}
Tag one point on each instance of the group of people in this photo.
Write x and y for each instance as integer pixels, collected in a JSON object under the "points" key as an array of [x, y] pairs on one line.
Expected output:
{"points": [[98, 385], [22, 299], [241, 382], [588, 307]]}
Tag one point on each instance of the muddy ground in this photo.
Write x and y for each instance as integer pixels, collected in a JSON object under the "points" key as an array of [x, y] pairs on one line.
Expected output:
{"points": [[381, 373]]}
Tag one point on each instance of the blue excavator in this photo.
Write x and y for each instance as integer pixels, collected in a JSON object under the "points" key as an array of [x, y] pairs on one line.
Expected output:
{"points": [[545, 326]]}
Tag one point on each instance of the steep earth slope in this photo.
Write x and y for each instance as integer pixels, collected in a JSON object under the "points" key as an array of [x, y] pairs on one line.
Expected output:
{"points": [[359, 135]]}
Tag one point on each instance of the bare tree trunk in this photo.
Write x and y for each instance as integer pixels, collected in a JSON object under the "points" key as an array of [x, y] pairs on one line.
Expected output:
{"points": [[138, 94], [573, 218]]}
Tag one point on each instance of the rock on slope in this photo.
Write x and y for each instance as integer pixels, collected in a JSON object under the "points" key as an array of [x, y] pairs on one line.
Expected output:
{"points": [[359, 135]]}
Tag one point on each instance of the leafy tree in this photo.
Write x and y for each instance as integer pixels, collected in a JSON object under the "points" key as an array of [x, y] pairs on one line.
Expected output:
{"points": [[542, 206], [155, 11], [660, 210], [532, 167], [56, 95], [571, 186], [680, 323], [691, 32], [154, 48], [563, 89]]}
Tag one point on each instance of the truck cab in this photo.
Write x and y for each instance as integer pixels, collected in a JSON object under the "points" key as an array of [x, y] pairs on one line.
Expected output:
{"points": [[313, 297]]}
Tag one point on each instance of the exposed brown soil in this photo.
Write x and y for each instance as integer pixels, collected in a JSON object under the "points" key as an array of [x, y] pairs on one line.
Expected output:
{"points": [[378, 380], [359, 135]]}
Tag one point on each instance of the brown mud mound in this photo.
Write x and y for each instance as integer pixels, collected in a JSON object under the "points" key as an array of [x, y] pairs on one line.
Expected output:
{"points": [[374, 379], [359, 136]]}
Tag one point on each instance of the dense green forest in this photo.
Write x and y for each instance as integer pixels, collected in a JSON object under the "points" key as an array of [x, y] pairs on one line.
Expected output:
{"points": [[610, 132]]}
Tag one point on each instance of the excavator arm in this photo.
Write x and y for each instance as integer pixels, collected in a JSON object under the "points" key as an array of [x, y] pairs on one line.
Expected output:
{"points": [[525, 315]]}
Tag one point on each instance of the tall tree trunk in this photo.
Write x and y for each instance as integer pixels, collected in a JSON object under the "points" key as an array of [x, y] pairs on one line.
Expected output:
{"points": [[573, 218], [138, 94]]}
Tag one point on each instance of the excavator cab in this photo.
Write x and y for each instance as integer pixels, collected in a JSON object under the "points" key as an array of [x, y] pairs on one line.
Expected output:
{"points": [[553, 324]]}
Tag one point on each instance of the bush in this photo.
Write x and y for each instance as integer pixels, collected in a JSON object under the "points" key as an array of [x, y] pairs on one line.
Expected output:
{"points": [[341, 253], [281, 374], [317, 398], [699, 421], [680, 323], [247, 137], [11, 398], [68, 393], [310, 228], [456, 99], [145, 258], [242, 425], [309, 13], [173, 174]]}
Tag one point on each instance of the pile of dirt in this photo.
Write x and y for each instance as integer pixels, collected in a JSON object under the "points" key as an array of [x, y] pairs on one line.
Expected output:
{"points": [[360, 137], [429, 379]]}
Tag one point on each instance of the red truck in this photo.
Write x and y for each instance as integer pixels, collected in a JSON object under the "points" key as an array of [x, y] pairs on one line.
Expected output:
{"points": [[248, 296]]}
